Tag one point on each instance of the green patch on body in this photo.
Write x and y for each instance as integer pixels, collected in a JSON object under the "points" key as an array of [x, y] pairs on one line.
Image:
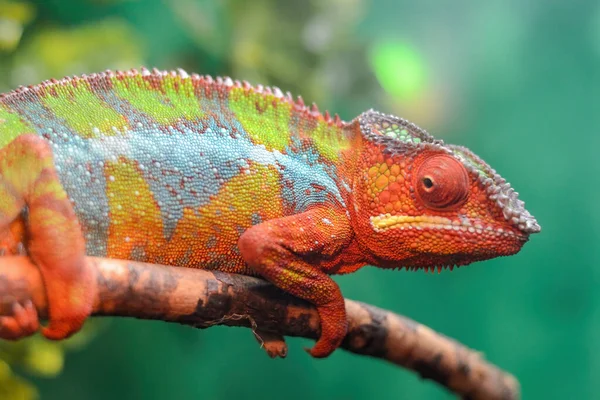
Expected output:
{"points": [[11, 126], [329, 140], [264, 117], [171, 99], [85, 113]]}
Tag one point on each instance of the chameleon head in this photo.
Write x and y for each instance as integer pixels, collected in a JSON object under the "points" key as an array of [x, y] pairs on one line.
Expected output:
{"points": [[420, 203]]}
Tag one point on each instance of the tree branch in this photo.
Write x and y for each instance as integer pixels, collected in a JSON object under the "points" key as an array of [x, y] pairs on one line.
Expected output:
{"points": [[203, 298]]}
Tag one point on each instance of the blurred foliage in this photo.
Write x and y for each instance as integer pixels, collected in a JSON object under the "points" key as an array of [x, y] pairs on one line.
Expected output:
{"points": [[12, 387], [56, 51], [13, 18], [39, 357], [509, 79], [399, 69]]}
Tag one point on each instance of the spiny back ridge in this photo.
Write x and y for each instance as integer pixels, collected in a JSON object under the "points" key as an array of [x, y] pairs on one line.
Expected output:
{"points": [[198, 80]]}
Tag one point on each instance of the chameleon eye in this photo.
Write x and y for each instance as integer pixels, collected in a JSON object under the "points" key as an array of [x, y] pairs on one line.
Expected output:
{"points": [[442, 183]]}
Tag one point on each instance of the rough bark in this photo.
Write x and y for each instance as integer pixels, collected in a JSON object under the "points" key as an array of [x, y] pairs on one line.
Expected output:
{"points": [[203, 298]]}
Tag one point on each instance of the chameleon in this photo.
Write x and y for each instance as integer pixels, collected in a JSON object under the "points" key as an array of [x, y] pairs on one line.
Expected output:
{"points": [[189, 171]]}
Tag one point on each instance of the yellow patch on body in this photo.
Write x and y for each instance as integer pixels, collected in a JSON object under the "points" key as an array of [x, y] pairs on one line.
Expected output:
{"points": [[135, 217], [214, 229]]}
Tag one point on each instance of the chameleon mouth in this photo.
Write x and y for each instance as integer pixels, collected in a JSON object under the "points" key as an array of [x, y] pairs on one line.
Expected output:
{"points": [[384, 222]]}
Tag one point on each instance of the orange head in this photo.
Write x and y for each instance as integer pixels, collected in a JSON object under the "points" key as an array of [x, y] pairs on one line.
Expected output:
{"points": [[420, 203]]}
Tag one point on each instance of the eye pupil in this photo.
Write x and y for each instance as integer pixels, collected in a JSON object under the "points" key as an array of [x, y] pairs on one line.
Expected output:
{"points": [[428, 183]]}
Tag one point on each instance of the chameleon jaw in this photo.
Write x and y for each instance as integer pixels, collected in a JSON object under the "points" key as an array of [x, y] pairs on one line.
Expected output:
{"points": [[384, 222]]}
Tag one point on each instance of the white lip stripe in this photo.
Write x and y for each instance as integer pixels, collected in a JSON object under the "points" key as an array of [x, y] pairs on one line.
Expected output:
{"points": [[384, 222]]}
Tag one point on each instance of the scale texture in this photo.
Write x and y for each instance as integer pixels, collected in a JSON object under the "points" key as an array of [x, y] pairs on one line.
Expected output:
{"points": [[186, 170]]}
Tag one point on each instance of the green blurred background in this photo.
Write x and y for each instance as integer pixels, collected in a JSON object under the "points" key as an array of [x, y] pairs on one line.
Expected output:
{"points": [[515, 81]]}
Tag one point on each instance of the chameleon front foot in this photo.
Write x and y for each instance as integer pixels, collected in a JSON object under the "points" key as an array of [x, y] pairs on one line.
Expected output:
{"points": [[23, 322], [334, 327], [282, 251]]}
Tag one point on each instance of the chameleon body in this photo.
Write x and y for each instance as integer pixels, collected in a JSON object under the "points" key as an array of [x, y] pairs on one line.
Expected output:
{"points": [[184, 170]]}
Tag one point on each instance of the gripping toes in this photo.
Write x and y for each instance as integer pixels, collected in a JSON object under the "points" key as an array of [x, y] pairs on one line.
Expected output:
{"points": [[334, 327], [24, 322]]}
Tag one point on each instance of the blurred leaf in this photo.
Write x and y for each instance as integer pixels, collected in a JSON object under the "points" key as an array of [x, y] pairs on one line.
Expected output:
{"points": [[399, 69], [44, 358], [14, 388], [203, 21], [22, 12], [39, 357], [36, 354], [13, 18], [56, 52]]}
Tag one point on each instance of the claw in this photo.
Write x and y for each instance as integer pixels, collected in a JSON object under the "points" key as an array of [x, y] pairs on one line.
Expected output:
{"points": [[323, 349], [333, 330], [24, 322]]}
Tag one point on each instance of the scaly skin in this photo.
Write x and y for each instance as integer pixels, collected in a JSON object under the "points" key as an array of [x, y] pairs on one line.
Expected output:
{"points": [[194, 172]]}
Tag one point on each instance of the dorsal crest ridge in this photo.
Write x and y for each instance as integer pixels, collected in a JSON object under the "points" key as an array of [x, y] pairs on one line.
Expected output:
{"points": [[298, 105]]}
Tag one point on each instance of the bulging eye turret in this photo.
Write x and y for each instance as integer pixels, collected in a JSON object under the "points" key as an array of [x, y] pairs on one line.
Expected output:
{"points": [[442, 183]]}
